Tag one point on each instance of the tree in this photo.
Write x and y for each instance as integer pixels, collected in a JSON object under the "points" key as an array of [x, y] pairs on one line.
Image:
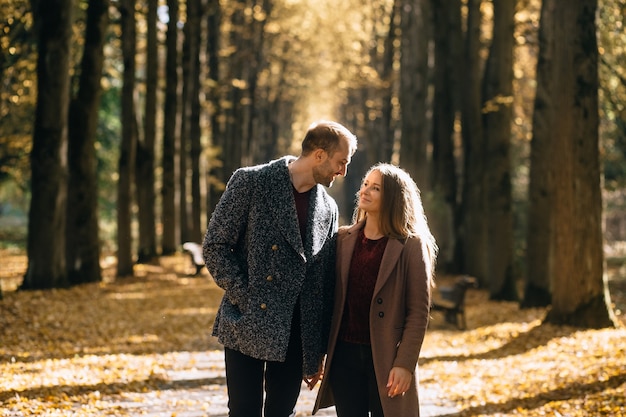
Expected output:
{"points": [[214, 185], [47, 214], [540, 209], [145, 159], [567, 105], [190, 201], [128, 148], [83, 237], [413, 96], [446, 103], [497, 115], [471, 245], [171, 135]]}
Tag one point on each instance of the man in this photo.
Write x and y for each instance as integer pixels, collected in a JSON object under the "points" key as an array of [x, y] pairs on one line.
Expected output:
{"points": [[270, 245]]}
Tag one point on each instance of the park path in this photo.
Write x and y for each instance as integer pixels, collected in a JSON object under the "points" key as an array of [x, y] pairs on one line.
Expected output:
{"points": [[197, 389]]}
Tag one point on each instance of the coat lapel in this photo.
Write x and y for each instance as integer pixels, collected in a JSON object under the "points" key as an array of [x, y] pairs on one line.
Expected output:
{"points": [[282, 204], [347, 249], [388, 263], [319, 221]]}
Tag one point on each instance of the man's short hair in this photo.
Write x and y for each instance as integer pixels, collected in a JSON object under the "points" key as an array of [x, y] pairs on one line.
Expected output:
{"points": [[326, 135]]}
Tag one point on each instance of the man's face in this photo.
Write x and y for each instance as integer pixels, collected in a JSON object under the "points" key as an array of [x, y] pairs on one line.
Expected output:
{"points": [[333, 165]]}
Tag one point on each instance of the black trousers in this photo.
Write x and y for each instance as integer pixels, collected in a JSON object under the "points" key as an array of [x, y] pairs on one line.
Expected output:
{"points": [[353, 381], [246, 377]]}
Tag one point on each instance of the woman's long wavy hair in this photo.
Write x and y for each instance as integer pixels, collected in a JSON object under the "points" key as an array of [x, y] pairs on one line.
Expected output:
{"points": [[401, 212]]}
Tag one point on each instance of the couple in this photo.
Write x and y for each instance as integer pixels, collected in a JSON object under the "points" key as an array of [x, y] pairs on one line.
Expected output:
{"points": [[296, 290]]}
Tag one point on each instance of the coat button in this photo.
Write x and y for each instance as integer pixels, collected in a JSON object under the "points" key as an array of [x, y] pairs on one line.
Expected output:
{"points": [[381, 314], [269, 278], [263, 306], [274, 247], [379, 300]]}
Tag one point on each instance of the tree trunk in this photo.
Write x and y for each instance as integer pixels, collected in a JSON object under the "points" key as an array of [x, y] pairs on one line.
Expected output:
{"points": [[171, 136], [497, 111], [195, 130], [414, 74], [537, 292], [128, 145], [145, 175], [189, 49], [49, 172], [190, 201], [576, 259], [448, 40], [83, 242], [471, 249], [215, 184]]}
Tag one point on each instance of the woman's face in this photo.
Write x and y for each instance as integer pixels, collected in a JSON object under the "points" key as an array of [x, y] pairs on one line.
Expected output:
{"points": [[370, 192]]}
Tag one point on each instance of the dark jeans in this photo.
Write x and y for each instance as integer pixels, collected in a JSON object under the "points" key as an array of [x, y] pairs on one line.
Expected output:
{"points": [[353, 381], [245, 377]]}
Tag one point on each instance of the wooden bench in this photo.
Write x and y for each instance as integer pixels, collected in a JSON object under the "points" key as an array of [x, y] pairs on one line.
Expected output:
{"points": [[451, 301], [194, 251]]}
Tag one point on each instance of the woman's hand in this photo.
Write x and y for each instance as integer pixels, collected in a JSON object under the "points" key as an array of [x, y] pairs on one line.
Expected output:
{"points": [[312, 380], [399, 381]]}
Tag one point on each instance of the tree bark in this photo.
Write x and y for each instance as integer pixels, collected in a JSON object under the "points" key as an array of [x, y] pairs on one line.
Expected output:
{"points": [[195, 130], [128, 148], [414, 74], [215, 184], [497, 113], [49, 171], [83, 241], [471, 245], [171, 136], [191, 202], [446, 103], [145, 161], [576, 259], [537, 291]]}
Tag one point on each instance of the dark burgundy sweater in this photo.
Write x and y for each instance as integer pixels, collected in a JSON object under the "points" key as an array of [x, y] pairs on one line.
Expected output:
{"points": [[364, 267]]}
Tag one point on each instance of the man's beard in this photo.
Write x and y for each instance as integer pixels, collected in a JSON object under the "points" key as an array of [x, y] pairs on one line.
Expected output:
{"points": [[324, 175]]}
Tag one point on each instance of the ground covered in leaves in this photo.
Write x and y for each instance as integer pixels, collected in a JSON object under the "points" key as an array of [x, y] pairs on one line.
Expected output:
{"points": [[111, 348]]}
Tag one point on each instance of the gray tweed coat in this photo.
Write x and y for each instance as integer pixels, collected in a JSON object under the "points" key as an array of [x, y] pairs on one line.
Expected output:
{"points": [[254, 251]]}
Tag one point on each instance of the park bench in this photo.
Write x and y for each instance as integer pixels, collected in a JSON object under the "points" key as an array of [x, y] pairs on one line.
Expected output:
{"points": [[451, 300], [194, 251]]}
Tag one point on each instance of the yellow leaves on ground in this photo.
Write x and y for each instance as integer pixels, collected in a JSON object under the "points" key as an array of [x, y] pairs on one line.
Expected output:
{"points": [[119, 347], [517, 366]]}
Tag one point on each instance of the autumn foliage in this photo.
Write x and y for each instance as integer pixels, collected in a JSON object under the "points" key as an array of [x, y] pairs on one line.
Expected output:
{"points": [[119, 348]]}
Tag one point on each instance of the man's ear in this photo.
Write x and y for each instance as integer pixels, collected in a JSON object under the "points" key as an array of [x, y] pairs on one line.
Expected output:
{"points": [[319, 154]]}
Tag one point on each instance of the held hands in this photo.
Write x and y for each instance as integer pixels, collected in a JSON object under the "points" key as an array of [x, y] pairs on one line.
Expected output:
{"points": [[312, 380], [399, 381]]}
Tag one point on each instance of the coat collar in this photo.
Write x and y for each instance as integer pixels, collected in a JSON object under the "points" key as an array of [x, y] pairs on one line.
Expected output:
{"points": [[387, 264], [282, 206]]}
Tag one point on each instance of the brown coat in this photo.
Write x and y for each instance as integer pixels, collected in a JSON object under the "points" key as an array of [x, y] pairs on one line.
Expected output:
{"points": [[399, 313]]}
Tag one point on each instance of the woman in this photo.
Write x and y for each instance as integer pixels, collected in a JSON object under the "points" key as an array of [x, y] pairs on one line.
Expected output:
{"points": [[385, 266]]}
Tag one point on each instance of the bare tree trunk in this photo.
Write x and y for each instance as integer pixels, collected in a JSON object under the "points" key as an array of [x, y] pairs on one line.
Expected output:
{"points": [[215, 184], [195, 130], [414, 74], [471, 249], [145, 177], [537, 292], [83, 242], [497, 111], [129, 144], [575, 257], [448, 42], [185, 110], [235, 115], [171, 137], [47, 214], [190, 202]]}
